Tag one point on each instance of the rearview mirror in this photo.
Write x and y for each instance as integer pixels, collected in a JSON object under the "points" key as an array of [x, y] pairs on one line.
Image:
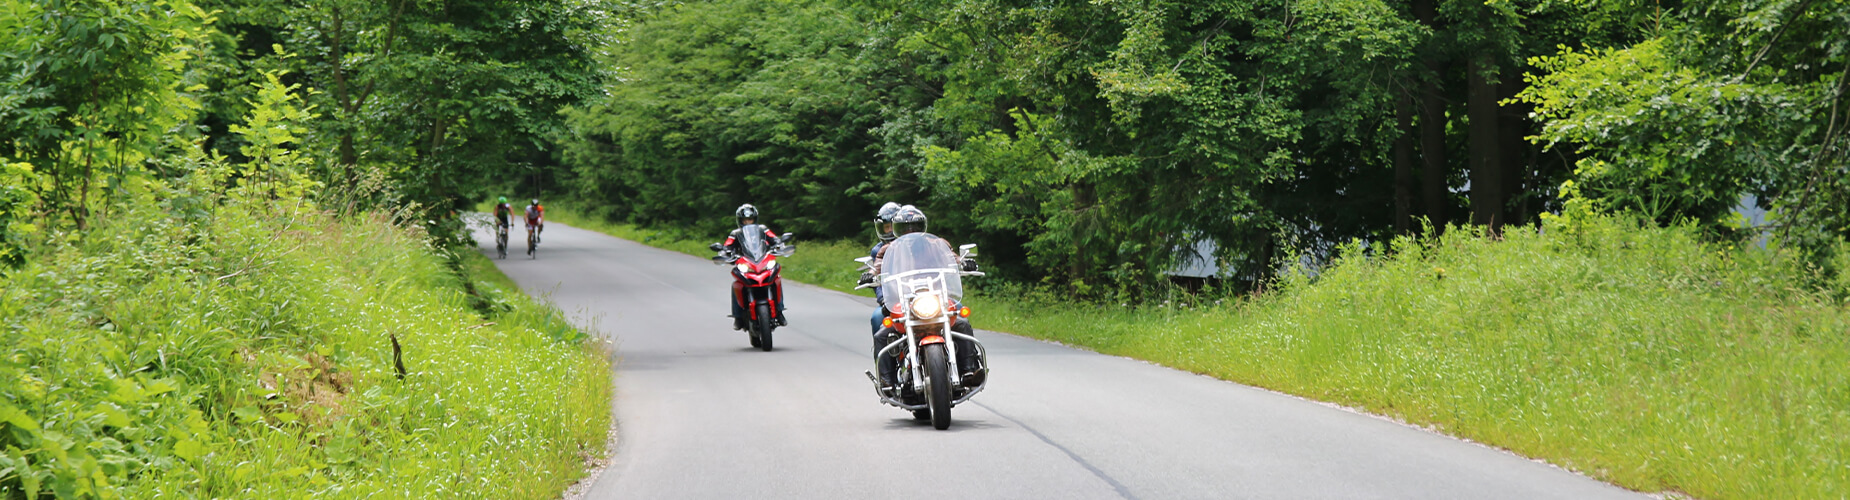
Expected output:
{"points": [[715, 247], [966, 250], [787, 237], [865, 261]]}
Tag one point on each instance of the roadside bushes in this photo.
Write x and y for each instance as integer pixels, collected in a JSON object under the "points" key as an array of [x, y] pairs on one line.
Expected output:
{"points": [[244, 347]]}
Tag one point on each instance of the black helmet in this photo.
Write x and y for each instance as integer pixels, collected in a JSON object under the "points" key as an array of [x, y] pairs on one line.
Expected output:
{"points": [[908, 220], [746, 211], [535, 201], [883, 221]]}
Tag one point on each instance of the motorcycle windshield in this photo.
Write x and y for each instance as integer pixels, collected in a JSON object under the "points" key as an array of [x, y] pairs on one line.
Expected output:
{"points": [[752, 243], [918, 262]]}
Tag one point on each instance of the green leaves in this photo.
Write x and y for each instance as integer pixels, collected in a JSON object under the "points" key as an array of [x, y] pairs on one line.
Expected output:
{"points": [[729, 102], [1682, 125]]}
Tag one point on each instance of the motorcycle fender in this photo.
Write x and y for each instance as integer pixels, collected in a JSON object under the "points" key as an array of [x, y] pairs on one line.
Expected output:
{"points": [[931, 339]]}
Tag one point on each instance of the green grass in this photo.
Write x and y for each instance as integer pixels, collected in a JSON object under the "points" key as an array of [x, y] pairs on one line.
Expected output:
{"points": [[477, 266], [1637, 355], [245, 352]]}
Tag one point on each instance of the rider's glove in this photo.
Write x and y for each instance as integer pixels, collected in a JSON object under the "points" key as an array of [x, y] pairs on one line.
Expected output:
{"points": [[969, 266], [865, 279]]}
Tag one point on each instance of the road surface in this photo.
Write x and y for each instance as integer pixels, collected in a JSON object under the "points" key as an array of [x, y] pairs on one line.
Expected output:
{"points": [[701, 414]]}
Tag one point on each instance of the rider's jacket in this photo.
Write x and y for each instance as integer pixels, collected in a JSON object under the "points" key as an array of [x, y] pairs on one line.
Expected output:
{"points": [[879, 293], [503, 212], [732, 240], [535, 214]]}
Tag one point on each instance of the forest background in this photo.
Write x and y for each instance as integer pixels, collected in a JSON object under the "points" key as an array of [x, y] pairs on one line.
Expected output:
{"points": [[1093, 146]]}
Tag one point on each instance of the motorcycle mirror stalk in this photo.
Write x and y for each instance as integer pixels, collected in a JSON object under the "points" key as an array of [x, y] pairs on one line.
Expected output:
{"points": [[966, 251]]}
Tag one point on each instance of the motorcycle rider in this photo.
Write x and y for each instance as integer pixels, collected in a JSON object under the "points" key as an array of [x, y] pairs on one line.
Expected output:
{"points": [[907, 220], [883, 226], [747, 215]]}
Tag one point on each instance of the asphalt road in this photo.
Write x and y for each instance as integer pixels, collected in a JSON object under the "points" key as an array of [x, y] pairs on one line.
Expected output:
{"points": [[701, 414]]}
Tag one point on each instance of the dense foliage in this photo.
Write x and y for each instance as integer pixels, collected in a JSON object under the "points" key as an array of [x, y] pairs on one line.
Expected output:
{"points": [[1097, 143], [1726, 98], [434, 104], [223, 259]]}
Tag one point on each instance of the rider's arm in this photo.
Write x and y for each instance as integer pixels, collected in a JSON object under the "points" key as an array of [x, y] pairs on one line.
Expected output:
{"points": [[879, 257]]}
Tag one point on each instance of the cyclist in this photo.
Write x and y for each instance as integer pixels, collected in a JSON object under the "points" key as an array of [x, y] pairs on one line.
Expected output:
{"points": [[504, 214], [536, 219]]}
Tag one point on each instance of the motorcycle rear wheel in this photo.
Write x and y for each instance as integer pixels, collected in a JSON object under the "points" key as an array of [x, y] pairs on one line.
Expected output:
{"points": [[938, 376], [764, 327]]}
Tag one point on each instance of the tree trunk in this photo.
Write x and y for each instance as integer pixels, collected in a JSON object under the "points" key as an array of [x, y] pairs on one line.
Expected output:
{"points": [[1485, 152], [347, 155], [1519, 156], [1403, 163], [1433, 171]]}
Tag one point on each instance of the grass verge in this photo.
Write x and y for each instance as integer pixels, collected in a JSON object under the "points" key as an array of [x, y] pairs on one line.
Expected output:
{"points": [[253, 351], [1636, 355]]}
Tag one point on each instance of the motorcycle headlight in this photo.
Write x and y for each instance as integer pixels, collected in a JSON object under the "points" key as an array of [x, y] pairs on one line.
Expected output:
{"points": [[770, 265], [745, 268], [927, 306]]}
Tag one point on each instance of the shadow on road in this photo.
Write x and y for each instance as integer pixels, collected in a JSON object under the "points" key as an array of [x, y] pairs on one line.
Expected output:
{"points": [[957, 425]]}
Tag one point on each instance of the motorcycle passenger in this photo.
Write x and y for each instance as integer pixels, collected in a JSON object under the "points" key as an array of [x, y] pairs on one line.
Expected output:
{"points": [[908, 220], [747, 215], [883, 225], [536, 219]]}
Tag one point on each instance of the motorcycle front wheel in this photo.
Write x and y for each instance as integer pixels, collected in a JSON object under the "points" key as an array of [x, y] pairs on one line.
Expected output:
{"points": [[764, 327], [938, 376]]}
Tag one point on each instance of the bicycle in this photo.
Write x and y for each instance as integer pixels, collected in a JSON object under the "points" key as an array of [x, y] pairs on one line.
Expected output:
{"points": [[501, 240], [533, 242]]}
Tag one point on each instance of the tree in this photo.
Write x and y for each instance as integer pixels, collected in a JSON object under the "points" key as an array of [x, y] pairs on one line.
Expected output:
{"points": [[95, 88], [1729, 98], [451, 100]]}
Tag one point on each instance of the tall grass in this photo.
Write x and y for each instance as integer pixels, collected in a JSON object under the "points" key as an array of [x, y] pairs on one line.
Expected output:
{"points": [[1637, 355], [247, 351], [1634, 354]]}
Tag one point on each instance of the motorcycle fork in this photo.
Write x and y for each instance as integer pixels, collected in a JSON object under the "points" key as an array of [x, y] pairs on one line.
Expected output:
{"points": [[749, 297], [950, 352]]}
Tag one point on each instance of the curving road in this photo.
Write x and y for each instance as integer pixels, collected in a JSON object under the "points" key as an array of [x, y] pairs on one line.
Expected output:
{"points": [[703, 415]]}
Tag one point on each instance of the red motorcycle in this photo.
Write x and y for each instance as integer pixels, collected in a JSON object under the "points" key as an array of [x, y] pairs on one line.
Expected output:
{"points": [[757, 285]]}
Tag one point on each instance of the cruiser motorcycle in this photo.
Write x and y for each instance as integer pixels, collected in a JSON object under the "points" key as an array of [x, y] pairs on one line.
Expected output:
{"points": [[757, 284], [930, 361]]}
